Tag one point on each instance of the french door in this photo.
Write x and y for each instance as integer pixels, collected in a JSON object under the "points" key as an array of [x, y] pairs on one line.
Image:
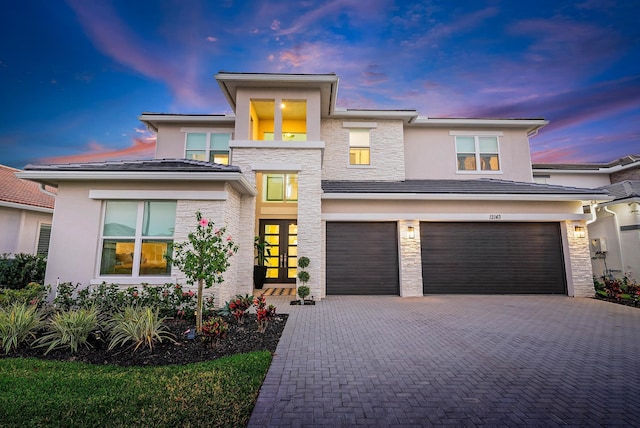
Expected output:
{"points": [[282, 237]]}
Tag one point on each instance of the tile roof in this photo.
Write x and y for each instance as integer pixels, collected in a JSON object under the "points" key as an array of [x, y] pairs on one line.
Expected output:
{"points": [[18, 191], [178, 165], [624, 189], [477, 186]]}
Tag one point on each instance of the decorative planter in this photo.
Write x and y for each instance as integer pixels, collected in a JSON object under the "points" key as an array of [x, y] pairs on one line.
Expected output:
{"points": [[259, 276], [306, 302]]}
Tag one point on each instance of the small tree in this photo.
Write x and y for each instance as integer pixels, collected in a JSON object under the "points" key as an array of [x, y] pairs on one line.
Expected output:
{"points": [[204, 257], [303, 276]]}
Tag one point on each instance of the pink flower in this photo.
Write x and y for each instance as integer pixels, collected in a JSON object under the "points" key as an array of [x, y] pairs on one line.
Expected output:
{"points": [[190, 293], [229, 238], [217, 232], [204, 222]]}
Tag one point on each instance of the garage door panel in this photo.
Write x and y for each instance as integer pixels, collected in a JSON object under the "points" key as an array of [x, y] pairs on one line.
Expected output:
{"points": [[362, 258], [492, 258]]}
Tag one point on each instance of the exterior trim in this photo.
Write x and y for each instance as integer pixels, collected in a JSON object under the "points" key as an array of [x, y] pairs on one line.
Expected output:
{"points": [[252, 144], [276, 167], [207, 129], [159, 194], [513, 197], [477, 133], [26, 207], [368, 125], [452, 217]]}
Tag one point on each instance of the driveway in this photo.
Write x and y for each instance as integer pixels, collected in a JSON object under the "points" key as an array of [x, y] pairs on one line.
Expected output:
{"points": [[454, 360]]}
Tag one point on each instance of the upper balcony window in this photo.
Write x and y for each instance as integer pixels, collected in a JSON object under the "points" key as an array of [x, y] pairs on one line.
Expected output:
{"points": [[477, 154], [289, 123], [208, 146], [280, 188]]}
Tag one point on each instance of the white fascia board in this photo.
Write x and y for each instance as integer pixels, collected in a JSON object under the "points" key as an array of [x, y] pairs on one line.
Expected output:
{"points": [[187, 118], [464, 197], [253, 144], [407, 116], [25, 207], [270, 78], [572, 171], [275, 166], [196, 195], [519, 123], [447, 217], [236, 179]]}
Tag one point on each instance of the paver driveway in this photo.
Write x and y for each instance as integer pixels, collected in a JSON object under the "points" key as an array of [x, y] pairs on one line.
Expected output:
{"points": [[457, 360]]}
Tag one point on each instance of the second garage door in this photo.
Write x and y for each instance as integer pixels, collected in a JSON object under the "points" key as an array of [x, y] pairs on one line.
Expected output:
{"points": [[492, 258], [362, 258]]}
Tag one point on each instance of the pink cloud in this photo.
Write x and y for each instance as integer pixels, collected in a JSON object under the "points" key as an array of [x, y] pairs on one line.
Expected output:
{"points": [[96, 152]]}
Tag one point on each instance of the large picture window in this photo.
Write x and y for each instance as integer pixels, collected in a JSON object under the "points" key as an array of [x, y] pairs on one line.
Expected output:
{"points": [[136, 236], [208, 146], [476, 153]]}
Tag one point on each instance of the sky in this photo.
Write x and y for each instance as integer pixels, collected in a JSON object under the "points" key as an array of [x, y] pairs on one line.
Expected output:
{"points": [[76, 74]]}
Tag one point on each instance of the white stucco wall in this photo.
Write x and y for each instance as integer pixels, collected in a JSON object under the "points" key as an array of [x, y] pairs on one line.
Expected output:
{"points": [[589, 181], [430, 153], [19, 230]]}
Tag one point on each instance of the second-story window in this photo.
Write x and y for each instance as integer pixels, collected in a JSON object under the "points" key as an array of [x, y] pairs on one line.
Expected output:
{"points": [[208, 146], [359, 147], [280, 188], [475, 153]]}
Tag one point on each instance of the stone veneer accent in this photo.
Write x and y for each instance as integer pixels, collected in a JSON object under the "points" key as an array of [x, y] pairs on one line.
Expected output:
{"points": [[410, 260], [387, 152], [310, 237], [578, 261]]}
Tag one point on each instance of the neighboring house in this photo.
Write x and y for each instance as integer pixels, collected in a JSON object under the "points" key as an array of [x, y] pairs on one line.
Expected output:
{"points": [[26, 211], [381, 201], [614, 226]]}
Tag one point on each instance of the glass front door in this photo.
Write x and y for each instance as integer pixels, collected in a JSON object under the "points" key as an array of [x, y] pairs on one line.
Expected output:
{"points": [[282, 237]]}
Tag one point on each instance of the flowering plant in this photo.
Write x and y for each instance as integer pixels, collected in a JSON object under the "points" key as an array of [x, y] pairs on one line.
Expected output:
{"points": [[264, 313], [238, 307], [214, 329], [203, 258]]}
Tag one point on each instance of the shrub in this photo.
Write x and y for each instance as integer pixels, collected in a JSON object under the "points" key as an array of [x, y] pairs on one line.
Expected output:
{"points": [[137, 326], [70, 328], [264, 313], [303, 291], [21, 269], [214, 329], [33, 294], [18, 322], [238, 307]]}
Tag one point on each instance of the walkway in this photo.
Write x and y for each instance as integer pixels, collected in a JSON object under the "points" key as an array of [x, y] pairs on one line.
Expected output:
{"points": [[454, 360]]}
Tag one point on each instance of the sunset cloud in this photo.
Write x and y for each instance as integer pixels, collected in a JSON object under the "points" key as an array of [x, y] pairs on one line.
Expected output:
{"points": [[95, 152]]}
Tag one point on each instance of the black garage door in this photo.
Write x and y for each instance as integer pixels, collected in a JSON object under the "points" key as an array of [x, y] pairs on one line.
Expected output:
{"points": [[492, 258], [362, 258]]}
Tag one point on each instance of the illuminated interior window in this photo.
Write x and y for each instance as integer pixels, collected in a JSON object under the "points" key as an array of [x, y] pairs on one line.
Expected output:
{"points": [[359, 147], [280, 187], [477, 153]]}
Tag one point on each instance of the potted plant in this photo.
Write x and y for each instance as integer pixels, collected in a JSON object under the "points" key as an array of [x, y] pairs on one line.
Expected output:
{"points": [[260, 269], [303, 276]]}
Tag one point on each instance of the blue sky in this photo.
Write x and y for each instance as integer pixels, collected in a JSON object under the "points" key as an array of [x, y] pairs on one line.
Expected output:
{"points": [[75, 74]]}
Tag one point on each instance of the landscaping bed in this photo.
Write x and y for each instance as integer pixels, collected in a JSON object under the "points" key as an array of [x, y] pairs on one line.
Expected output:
{"points": [[241, 338]]}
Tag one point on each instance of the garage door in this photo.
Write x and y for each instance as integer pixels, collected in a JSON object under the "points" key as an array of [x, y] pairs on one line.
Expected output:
{"points": [[492, 258], [362, 258]]}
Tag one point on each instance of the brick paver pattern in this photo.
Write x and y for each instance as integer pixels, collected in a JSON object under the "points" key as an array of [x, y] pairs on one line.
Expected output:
{"points": [[454, 360]]}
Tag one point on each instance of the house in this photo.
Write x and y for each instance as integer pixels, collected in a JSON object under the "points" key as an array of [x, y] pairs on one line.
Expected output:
{"points": [[26, 210], [381, 201], [614, 226]]}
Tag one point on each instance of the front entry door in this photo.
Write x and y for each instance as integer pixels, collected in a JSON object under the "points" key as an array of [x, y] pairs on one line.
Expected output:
{"points": [[282, 237]]}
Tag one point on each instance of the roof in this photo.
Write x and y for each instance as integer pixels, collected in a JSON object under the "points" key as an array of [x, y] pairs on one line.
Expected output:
{"points": [[628, 189], [179, 165], [179, 170], [622, 163], [17, 191], [481, 186]]}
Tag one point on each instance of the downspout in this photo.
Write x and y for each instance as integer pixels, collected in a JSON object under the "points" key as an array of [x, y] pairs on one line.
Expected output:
{"points": [[45, 191], [594, 216], [617, 226]]}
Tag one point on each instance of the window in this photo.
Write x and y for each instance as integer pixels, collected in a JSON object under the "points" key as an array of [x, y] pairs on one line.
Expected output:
{"points": [[280, 188], [136, 236], [43, 239], [208, 146], [359, 147], [477, 153]]}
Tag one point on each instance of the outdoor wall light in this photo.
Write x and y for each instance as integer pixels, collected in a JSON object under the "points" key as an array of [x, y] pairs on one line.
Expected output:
{"points": [[411, 232], [581, 232]]}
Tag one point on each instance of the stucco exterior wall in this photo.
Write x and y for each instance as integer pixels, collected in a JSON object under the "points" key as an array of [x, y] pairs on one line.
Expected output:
{"points": [[171, 140], [588, 181], [386, 151], [430, 153], [20, 230]]}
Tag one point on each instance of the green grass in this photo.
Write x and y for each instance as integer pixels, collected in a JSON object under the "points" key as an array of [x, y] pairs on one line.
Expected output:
{"points": [[216, 393]]}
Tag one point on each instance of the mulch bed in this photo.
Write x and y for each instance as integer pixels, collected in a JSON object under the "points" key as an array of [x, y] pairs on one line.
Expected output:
{"points": [[241, 338], [626, 302]]}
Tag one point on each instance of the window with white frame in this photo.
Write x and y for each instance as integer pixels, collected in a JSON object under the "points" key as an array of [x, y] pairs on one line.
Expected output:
{"points": [[44, 236], [208, 146], [136, 236], [359, 146], [477, 153], [280, 187]]}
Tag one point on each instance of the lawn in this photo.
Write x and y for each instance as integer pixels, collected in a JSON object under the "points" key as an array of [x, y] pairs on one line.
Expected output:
{"points": [[221, 392]]}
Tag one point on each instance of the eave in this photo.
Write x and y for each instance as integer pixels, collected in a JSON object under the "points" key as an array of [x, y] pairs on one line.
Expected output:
{"points": [[26, 207], [152, 120], [530, 125], [596, 197]]}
